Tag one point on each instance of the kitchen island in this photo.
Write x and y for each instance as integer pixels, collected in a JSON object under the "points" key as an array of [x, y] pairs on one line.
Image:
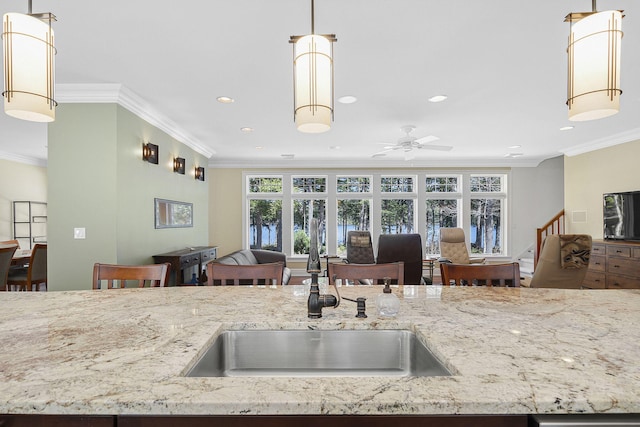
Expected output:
{"points": [[511, 351]]}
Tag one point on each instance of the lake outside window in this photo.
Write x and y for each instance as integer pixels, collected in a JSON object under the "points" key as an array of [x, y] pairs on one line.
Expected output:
{"points": [[279, 207]]}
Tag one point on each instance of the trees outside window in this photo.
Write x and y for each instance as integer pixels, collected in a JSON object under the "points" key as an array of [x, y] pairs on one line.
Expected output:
{"points": [[353, 214], [441, 208], [265, 214], [278, 208], [486, 214]]}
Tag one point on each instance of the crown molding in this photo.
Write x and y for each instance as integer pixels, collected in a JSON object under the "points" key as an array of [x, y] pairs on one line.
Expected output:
{"points": [[84, 93], [373, 164], [23, 159], [609, 141]]}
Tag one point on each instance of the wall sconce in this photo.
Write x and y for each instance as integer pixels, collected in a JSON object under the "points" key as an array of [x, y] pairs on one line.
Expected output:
{"points": [[29, 66], [593, 87], [313, 80], [200, 173], [178, 165], [150, 153]]}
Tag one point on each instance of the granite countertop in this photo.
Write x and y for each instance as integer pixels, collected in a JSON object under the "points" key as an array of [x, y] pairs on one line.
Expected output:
{"points": [[512, 351]]}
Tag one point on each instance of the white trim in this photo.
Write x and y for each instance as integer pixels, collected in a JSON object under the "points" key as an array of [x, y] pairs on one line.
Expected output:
{"points": [[117, 93], [23, 159], [609, 141]]}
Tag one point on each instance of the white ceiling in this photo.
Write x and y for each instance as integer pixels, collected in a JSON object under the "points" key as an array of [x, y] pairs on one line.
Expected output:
{"points": [[502, 64]]}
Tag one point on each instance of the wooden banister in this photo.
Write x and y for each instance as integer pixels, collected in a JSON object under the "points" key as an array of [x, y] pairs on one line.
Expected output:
{"points": [[554, 226]]}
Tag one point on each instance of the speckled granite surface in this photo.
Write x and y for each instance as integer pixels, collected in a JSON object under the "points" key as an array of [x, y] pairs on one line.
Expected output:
{"points": [[511, 350]]}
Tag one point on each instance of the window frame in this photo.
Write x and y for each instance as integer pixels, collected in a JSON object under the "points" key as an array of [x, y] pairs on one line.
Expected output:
{"points": [[375, 197]]}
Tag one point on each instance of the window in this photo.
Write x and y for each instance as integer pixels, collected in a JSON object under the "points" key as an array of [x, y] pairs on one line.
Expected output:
{"points": [[353, 195], [486, 214], [279, 207], [397, 206], [443, 200], [265, 213], [306, 207]]}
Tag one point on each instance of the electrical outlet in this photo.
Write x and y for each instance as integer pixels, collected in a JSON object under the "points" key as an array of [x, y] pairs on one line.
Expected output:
{"points": [[79, 233]]}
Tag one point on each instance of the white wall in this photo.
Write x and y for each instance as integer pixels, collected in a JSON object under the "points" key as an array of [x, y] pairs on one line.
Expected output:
{"points": [[588, 176], [19, 181]]}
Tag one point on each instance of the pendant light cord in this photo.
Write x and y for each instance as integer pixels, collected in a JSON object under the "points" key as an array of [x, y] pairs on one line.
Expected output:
{"points": [[312, 17]]}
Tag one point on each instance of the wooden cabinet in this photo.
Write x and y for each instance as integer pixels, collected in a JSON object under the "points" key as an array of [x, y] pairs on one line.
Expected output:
{"points": [[614, 265], [187, 258]]}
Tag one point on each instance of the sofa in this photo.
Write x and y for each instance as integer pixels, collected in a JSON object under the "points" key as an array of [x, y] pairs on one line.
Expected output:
{"points": [[257, 256]]}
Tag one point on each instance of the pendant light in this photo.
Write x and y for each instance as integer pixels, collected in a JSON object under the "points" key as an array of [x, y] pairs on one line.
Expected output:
{"points": [[593, 86], [313, 80], [28, 57]]}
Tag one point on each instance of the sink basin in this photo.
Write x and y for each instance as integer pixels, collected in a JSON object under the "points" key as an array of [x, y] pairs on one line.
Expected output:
{"points": [[313, 353]]}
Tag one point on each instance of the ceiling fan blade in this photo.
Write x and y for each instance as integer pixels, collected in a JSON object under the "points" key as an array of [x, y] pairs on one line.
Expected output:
{"points": [[436, 147], [381, 153], [425, 139]]}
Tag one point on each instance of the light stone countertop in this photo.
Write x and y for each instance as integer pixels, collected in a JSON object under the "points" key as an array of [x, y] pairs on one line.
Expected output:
{"points": [[512, 351]]}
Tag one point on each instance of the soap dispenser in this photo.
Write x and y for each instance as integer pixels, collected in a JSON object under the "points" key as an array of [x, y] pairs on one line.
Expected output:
{"points": [[387, 304]]}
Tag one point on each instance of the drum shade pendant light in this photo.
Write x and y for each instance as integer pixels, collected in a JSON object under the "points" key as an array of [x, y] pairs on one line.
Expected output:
{"points": [[28, 57], [313, 80], [593, 86]]}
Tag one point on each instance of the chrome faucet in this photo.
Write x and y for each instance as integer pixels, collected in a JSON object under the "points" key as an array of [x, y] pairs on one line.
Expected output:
{"points": [[317, 302]]}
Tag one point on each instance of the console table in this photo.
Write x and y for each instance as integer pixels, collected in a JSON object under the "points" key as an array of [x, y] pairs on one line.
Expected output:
{"points": [[187, 258]]}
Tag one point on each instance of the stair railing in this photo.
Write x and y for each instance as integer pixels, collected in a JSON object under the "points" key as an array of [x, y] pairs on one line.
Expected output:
{"points": [[554, 226]]}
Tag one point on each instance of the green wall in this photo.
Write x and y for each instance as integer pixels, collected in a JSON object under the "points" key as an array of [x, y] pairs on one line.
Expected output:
{"points": [[97, 180]]}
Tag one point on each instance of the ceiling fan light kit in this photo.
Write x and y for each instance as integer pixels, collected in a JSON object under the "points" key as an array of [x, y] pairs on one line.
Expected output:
{"points": [[593, 52], [313, 80], [28, 59]]}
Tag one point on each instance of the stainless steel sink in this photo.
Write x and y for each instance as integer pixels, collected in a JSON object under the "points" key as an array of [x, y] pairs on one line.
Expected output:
{"points": [[313, 353]]}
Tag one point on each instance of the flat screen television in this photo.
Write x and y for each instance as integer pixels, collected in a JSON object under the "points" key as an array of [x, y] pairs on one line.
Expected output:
{"points": [[622, 215]]}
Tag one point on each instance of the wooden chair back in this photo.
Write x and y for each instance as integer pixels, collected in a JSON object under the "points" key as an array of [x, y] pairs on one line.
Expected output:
{"points": [[36, 273], [116, 276], [480, 274], [6, 255], [374, 273], [11, 242], [253, 274]]}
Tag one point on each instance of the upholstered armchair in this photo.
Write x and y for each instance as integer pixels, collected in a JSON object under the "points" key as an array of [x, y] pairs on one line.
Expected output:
{"points": [[453, 248], [563, 261]]}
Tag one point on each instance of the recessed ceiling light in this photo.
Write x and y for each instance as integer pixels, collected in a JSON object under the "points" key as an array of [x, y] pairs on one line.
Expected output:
{"points": [[514, 155], [514, 146], [347, 99], [566, 128], [246, 129], [225, 99], [259, 147], [334, 147], [438, 98]]}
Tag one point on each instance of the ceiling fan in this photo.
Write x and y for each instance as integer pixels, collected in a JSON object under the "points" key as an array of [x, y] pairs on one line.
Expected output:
{"points": [[408, 142]]}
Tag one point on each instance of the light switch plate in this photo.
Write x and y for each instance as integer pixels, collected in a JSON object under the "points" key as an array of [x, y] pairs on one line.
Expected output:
{"points": [[79, 233]]}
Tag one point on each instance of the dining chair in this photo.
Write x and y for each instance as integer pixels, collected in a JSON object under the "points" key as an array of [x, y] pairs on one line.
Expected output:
{"points": [[480, 274], [373, 273], [116, 276], [563, 261], [453, 247], [6, 255], [406, 248], [11, 242], [253, 274], [359, 247], [35, 274]]}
